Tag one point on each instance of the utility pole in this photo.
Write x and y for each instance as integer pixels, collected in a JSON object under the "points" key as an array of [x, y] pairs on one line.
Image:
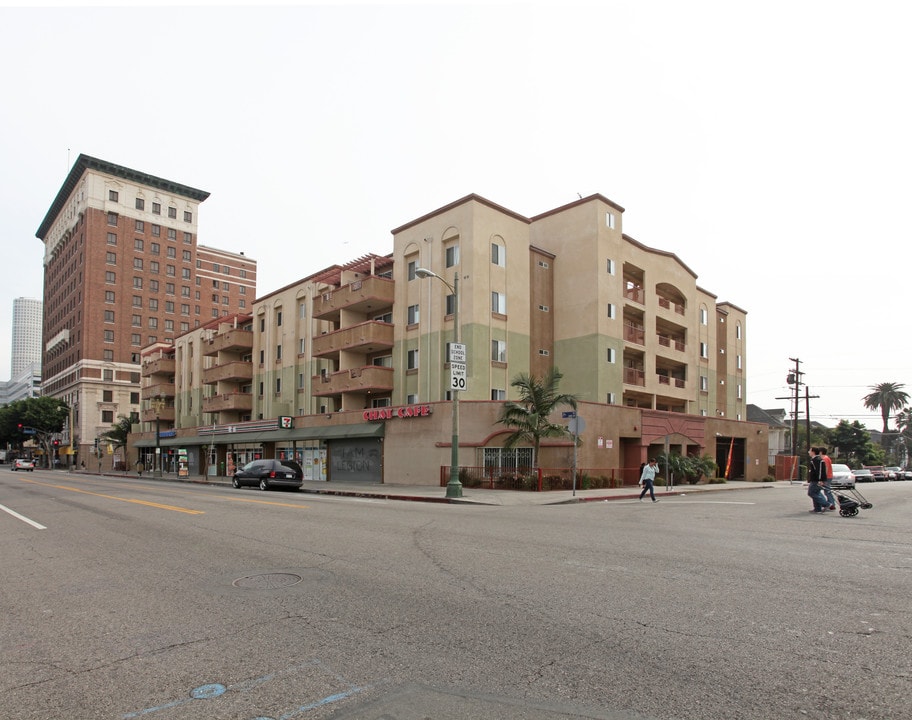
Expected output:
{"points": [[794, 379]]}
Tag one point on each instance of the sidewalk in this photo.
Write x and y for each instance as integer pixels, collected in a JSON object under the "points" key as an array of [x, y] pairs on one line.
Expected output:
{"points": [[479, 496]]}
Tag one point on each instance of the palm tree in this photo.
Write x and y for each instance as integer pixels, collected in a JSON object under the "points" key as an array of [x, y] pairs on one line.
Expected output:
{"points": [[886, 397], [538, 398], [119, 433]]}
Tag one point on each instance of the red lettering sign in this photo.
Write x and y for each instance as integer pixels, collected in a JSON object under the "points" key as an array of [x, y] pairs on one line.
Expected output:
{"points": [[388, 413]]}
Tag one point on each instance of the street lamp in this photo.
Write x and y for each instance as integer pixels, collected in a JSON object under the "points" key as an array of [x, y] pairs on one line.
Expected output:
{"points": [[157, 404], [454, 487]]}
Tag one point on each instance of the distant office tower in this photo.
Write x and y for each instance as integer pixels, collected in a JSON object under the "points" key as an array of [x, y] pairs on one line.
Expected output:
{"points": [[122, 270], [26, 335]]}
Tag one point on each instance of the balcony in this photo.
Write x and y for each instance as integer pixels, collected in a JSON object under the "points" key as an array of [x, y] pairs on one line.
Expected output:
{"points": [[158, 366], [671, 305], [671, 342], [241, 402], [637, 294], [237, 370], [166, 414], [634, 333], [634, 376], [234, 340], [162, 389], [369, 296], [366, 337], [671, 381], [371, 378]]}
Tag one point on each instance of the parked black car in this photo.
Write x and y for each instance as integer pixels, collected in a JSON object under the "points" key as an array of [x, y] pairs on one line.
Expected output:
{"points": [[269, 474]]}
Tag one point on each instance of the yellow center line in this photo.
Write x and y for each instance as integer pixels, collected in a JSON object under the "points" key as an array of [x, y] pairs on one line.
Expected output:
{"points": [[266, 502], [128, 500]]}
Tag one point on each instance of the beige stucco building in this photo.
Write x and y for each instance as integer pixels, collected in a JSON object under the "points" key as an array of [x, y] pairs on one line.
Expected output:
{"points": [[348, 370]]}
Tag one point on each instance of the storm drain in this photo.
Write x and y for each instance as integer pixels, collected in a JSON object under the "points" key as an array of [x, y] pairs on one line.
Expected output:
{"points": [[268, 581]]}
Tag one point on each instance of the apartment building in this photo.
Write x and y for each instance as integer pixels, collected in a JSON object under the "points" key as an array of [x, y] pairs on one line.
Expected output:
{"points": [[123, 270], [348, 368]]}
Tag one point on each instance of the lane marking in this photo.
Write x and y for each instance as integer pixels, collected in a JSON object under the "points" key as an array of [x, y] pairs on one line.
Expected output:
{"points": [[23, 518], [147, 503], [265, 502]]}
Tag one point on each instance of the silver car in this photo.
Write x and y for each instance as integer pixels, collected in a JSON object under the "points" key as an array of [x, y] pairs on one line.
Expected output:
{"points": [[843, 476]]}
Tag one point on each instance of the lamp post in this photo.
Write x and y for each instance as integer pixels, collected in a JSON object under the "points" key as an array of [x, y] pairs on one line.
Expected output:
{"points": [[157, 404], [454, 487]]}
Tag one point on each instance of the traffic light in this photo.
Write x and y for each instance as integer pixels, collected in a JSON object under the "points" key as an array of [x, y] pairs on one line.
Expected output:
{"points": [[19, 427], [56, 443]]}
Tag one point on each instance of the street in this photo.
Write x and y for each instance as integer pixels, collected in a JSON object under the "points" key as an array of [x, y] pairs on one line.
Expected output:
{"points": [[128, 598]]}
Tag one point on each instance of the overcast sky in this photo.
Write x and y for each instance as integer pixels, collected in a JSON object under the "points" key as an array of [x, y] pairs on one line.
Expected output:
{"points": [[766, 144]]}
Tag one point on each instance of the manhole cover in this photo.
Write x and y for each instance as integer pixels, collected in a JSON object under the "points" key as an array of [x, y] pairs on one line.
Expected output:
{"points": [[268, 581]]}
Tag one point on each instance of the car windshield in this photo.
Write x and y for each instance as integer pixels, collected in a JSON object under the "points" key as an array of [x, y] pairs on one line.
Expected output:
{"points": [[841, 468]]}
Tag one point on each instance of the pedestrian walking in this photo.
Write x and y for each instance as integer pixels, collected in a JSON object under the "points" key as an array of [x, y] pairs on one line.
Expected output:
{"points": [[647, 479], [828, 483], [816, 476]]}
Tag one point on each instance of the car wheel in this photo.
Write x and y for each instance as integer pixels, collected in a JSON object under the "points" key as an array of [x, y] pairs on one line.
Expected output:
{"points": [[264, 485], [235, 482]]}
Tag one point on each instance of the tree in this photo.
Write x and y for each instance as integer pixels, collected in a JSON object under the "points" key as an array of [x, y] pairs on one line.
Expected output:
{"points": [[854, 443], [886, 397], [119, 433], [538, 399], [44, 415]]}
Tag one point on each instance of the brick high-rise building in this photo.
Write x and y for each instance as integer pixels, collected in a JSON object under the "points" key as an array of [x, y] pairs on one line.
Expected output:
{"points": [[123, 270]]}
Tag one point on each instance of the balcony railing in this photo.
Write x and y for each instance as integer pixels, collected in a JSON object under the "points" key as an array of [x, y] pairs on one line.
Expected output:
{"points": [[666, 380], [236, 340], [371, 378], [228, 401], [635, 334], [162, 389], [166, 414], [671, 305], [670, 342], [637, 294], [238, 370], [634, 376], [366, 337], [159, 366], [370, 295]]}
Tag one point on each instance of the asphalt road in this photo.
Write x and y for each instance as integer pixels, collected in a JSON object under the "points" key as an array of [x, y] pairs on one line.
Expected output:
{"points": [[128, 598]]}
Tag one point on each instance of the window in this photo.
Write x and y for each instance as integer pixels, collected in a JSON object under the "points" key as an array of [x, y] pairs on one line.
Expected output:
{"points": [[278, 352], [544, 353], [185, 273], [172, 212], [136, 339], [609, 220], [450, 304], [188, 238], [610, 399], [262, 356], [411, 399], [412, 266], [544, 308], [170, 271], [112, 238], [704, 383], [452, 255], [499, 351], [498, 303], [738, 362], [109, 316], [136, 320], [169, 326], [107, 416], [611, 355], [185, 310], [302, 346], [140, 204], [153, 323], [278, 386], [738, 331], [137, 301], [543, 264], [113, 195], [156, 208], [138, 244], [107, 356], [109, 336], [139, 226], [137, 264], [704, 317], [610, 266], [110, 277], [413, 315], [156, 231], [154, 267], [611, 311], [185, 255], [112, 219], [302, 308], [188, 216], [153, 285], [383, 361], [111, 258], [498, 394], [412, 360], [155, 248], [704, 350], [278, 318], [138, 283], [169, 306], [153, 304], [498, 255], [109, 296]]}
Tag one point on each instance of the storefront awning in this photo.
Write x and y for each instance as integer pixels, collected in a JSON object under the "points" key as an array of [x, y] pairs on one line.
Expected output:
{"points": [[332, 432]]}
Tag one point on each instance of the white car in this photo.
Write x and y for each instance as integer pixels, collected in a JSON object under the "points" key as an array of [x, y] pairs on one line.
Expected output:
{"points": [[894, 473], [842, 476], [23, 464]]}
